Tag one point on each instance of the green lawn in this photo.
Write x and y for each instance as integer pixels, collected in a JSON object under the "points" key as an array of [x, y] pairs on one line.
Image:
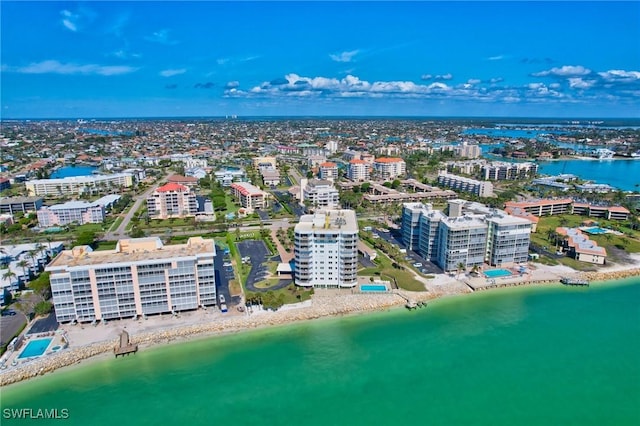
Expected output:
{"points": [[630, 242], [403, 277]]}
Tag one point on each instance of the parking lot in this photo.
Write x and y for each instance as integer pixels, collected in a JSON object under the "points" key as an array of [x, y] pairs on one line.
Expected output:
{"points": [[258, 254], [394, 237], [223, 275], [9, 326]]}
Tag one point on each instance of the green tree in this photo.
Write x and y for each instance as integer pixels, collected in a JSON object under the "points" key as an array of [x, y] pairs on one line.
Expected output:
{"points": [[23, 264], [43, 307], [86, 238]]}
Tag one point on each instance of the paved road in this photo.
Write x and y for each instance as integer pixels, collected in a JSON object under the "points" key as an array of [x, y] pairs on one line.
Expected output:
{"points": [[222, 280], [295, 174], [120, 232]]}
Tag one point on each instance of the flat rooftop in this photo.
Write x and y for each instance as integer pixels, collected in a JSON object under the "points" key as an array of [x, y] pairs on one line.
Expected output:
{"points": [[328, 221], [131, 251]]}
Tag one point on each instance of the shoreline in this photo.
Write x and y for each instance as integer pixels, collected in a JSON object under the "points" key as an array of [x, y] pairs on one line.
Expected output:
{"points": [[323, 306]]}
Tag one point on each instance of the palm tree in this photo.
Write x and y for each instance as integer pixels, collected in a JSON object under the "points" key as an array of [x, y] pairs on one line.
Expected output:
{"points": [[460, 267], [8, 275], [23, 264], [32, 256]]}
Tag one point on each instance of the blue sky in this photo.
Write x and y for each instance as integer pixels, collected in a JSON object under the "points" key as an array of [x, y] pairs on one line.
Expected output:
{"points": [[145, 59]]}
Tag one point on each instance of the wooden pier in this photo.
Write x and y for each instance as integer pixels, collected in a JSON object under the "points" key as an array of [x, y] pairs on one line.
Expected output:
{"points": [[574, 281], [125, 347]]}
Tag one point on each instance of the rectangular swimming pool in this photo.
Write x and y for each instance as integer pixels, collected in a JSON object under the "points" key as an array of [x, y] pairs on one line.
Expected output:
{"points": [[595, 231], [497, 273], [35, 348], [373, 287]]}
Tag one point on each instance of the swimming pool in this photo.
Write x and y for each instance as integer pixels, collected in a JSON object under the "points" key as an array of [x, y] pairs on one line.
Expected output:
{"points": [[595, 231], [35, 348], [497, 273], [373, 287]]}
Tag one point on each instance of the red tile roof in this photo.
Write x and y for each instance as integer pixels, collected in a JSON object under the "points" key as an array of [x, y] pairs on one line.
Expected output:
{"points": [[172, 186]]}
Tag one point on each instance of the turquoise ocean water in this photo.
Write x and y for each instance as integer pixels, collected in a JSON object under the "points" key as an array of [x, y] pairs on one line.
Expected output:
{"points": [[525, 356]]}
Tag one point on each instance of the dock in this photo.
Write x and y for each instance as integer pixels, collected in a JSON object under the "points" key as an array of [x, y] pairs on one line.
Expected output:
{"points": [[574, 281], [126, 347]]}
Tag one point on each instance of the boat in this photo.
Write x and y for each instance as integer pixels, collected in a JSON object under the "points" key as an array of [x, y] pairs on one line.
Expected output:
{"points": [[603, 154]]}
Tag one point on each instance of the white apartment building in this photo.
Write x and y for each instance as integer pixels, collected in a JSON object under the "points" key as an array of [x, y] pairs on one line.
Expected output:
{"points": [[388, 168], [319, 194], [172, 200], [78, 184], [467, 150], [359, 171], [326, 249], [249, 196], [80, 212], [471, 234], [140, 276], [501, 170], [463, 184], [328, 171], [227, 176], [270, 176]]}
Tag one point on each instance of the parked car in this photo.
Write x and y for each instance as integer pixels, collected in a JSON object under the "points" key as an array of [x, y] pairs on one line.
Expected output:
{"points": [[418, 265], [222, 299]]}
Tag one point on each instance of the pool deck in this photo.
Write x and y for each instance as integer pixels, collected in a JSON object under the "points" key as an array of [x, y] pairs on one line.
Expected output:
{"points": [[540, 275]]}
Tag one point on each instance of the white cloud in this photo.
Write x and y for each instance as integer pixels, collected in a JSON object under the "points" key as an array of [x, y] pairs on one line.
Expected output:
{"points": [[426, 77], [473, 81], [495, 58], [56, 67], [76, 21], [620, 75], [579, 83], [564, 71], [162, 37], [172, 72], [222, 61], [344, 56], [447, 76], [496, 80], [69, 20], [232, 85]]}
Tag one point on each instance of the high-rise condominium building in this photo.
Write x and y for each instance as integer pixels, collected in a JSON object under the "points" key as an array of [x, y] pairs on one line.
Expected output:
{"points": [[326, 249], [139, 277], [471, 234]]}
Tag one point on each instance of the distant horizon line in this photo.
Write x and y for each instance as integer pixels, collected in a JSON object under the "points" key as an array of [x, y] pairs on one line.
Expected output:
{"points": [[332, 117]]}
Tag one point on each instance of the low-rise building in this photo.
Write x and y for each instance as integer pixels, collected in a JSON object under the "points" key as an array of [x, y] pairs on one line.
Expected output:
{"points": [[249, 196], [13, 205], [605, 212], [464, 184], [78, 184], [580, 247], [79, 212], [270, 176], [544, 207]]}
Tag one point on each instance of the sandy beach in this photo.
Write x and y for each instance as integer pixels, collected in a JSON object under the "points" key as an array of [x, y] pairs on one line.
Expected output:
{"points": [[87, 341]]}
